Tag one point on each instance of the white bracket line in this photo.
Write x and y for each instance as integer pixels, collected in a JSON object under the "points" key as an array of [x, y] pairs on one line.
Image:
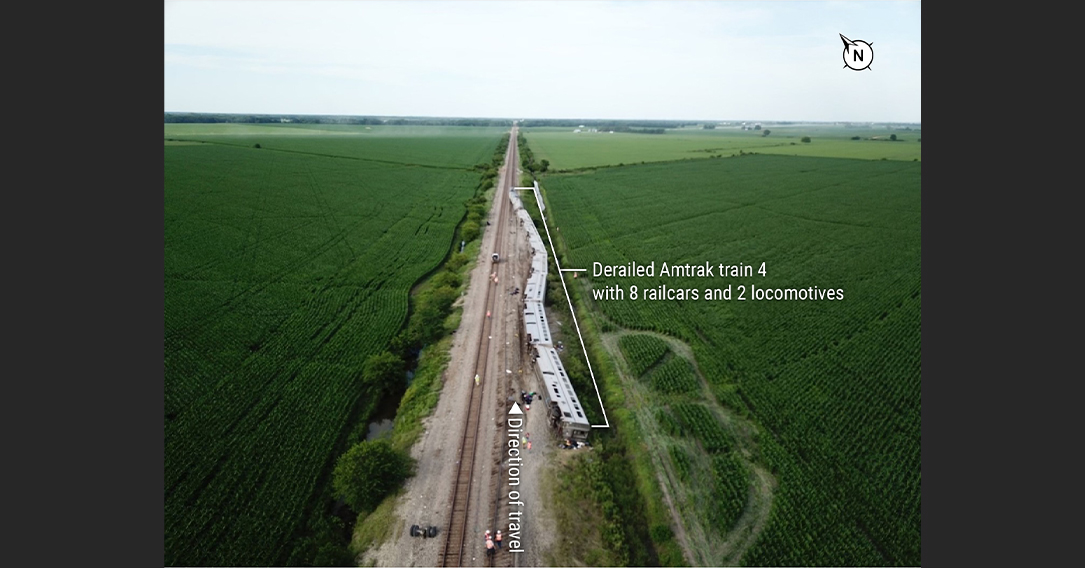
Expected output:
{"points": [[571, 310], [542, 207], [573, 269]]}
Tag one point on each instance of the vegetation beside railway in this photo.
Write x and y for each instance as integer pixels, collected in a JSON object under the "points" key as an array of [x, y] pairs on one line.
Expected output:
{"points": [[747, 465], [815, 432], [293, 260], [609, 506], [427, 339]]}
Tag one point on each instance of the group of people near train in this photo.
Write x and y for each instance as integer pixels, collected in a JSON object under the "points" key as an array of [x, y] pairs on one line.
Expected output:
{"points": [[493, 543], [569, 444]]}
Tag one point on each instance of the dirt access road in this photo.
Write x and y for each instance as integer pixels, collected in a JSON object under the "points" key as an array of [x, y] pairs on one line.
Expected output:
{"points": [[427, 498]]}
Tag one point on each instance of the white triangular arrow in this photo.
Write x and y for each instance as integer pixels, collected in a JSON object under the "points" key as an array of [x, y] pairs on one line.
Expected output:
{"points": [[515, 409]]}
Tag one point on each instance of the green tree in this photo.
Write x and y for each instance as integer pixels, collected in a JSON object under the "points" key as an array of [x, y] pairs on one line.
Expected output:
{"points": [[893, 137], [806, 139], [333, 554], [469, 232], [457, 260], [442, 297], [383, 370], [447, 277], [368, 473]]}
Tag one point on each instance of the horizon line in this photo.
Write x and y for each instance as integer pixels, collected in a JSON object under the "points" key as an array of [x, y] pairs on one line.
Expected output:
{"points": [[420, 116]]}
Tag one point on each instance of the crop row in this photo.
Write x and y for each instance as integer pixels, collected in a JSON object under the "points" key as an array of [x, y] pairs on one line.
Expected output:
{"points": [[699, 423], [834, 386], [642, 351], [730, 490], [284, 271], [675, 376], [681, 462], [839, 523], [717, 485]]}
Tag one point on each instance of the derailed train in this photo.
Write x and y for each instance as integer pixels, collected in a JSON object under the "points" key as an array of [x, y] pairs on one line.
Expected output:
{"points": [[564, 411]]}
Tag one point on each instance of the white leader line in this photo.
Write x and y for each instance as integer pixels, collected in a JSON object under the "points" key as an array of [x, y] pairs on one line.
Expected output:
{"points": [[573, 312]]}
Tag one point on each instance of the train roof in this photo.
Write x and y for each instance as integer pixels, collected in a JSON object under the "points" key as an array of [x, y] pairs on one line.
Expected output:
{"points": [[538, 329], [558, 387], [536, 242], [532, 233], [536, 287]]}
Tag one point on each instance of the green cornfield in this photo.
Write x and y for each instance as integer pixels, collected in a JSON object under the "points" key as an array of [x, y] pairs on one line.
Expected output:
{"points": [[569, 150], [289, 255], [642, 351], [832, 387]]}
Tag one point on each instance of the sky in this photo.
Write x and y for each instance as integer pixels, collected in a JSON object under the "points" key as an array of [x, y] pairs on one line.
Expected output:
{"points": [[624, 59]]}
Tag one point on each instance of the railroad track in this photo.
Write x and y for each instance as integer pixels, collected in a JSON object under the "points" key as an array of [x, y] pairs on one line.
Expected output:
{"points": [[455, 546], [506, 391]]}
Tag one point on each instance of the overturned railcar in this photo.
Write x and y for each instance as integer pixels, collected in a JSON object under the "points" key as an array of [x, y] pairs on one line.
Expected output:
{"points": [[562, 405], [564, 412]]}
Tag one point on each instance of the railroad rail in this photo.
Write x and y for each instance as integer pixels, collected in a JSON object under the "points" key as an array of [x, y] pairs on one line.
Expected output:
{"points": [[453, 552], [506, 391]]}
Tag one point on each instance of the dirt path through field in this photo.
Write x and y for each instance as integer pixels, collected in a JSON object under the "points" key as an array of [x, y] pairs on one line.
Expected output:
{"points": [[702, 544]]}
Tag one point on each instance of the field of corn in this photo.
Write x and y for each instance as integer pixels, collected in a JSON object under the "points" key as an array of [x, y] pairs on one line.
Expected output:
{"points": [[832, 389], [289, 255]]}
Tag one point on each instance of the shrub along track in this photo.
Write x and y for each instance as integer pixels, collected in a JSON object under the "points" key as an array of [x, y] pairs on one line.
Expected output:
{"points": [[702, 545]]}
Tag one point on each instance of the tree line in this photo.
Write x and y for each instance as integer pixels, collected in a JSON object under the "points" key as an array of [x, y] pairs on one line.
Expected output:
{"points": [[213, 118], [609, 124], [637, 126]]}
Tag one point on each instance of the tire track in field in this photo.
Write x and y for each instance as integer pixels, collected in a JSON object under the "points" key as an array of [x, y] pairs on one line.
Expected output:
{"points": [[700, 542], [385, 253], [253, 219], [322, 248], [322, 201], [198, 326], [192, 273], [341, 157], [656, 229], [235, 389]]}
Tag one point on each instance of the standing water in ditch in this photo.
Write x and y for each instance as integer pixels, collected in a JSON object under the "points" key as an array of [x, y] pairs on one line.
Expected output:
{"points": [[383, 418]]}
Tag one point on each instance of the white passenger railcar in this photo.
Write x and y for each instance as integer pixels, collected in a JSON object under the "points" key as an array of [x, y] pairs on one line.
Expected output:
{"points": [[564, 412]]}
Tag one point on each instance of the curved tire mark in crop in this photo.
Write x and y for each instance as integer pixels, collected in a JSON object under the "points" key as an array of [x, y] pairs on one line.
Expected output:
{"points": [[698, 540]]}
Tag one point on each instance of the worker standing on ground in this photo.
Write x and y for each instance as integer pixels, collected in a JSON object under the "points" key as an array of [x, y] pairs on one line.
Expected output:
{"points": [[497, 539], [489, 546]]}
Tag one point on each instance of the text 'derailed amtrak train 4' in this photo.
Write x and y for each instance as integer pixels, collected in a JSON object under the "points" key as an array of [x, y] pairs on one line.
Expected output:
{"points": [[564, 411]]}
